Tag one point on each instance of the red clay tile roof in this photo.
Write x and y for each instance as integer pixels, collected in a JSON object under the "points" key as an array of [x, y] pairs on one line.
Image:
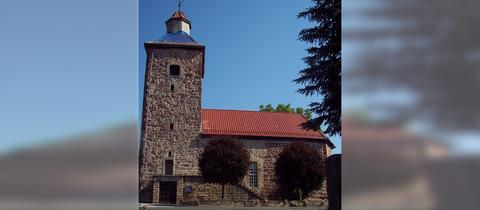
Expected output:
{"points": [[255, 123], [178, 15]]}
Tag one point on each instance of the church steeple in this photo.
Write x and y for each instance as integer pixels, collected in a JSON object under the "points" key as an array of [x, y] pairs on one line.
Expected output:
{"points": [[178, 29], [178, 22], [171, 113]]}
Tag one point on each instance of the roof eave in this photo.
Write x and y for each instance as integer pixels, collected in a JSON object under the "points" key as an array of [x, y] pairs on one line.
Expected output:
{"points": [[329, 143], [179, 18]]}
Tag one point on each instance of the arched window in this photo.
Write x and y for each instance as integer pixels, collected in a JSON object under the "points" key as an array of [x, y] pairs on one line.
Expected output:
{"points": [[253, 175], [172, 88], [174, 70]]}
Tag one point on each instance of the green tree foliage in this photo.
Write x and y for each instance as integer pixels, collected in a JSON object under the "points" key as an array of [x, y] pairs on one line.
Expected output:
{"points": [[323, 73], [224, 161], [267, 108], [286, 108], [298, 170]]}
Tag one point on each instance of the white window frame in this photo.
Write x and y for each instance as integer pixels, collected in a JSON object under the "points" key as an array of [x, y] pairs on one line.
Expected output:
{"points": [[253, 174]]}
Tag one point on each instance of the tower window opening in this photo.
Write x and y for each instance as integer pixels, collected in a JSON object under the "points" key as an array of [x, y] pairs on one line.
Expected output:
{"points": [[171, 126], [174, 70], [169, 153], [172, 88]]}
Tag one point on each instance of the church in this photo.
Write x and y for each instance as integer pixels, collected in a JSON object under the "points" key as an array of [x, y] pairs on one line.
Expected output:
{"points": [[175, 128]]}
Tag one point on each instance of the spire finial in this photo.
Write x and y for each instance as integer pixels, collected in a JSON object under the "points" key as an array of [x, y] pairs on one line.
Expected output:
{"points": [[179, 5]]}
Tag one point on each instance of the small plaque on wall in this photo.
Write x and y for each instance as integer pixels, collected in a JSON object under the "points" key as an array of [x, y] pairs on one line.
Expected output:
{"points": [[188, 189]]}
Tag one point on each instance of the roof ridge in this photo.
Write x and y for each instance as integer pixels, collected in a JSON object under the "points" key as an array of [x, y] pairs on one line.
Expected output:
{"points": [[239, 110]]}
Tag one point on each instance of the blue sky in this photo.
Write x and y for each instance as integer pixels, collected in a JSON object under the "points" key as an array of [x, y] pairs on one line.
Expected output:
{"points": [[252, 51], [66, 68]]}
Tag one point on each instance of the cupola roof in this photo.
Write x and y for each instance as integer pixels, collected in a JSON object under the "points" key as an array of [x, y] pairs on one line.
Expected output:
{"points": [[179, 15]]}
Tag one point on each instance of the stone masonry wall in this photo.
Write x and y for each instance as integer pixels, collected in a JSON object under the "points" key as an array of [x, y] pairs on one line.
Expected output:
{"points": [[162, 106], [207, 193], [265, 153]]}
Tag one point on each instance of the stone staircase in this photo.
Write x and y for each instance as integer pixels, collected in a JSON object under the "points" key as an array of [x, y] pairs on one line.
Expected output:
{"points": [[254, 198]]}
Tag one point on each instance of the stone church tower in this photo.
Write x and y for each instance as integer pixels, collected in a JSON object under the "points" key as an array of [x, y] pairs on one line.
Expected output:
{"points": [[171, 116]]}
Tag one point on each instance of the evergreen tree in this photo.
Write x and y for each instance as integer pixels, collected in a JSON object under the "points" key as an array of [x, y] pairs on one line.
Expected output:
{"points": [[323, 74]]}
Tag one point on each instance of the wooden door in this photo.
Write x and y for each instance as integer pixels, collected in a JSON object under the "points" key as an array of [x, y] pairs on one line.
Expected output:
{"points": [[168, 192]]}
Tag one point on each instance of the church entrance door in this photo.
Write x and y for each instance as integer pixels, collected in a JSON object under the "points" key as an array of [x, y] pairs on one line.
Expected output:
{"points": [[168, 192]]}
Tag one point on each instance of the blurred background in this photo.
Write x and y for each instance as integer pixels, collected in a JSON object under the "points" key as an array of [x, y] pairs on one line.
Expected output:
{"points": [[411, 81], [69, 92]]}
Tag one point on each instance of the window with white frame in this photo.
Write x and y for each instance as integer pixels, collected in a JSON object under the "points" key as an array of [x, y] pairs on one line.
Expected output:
{"points": [[253, 174]]}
